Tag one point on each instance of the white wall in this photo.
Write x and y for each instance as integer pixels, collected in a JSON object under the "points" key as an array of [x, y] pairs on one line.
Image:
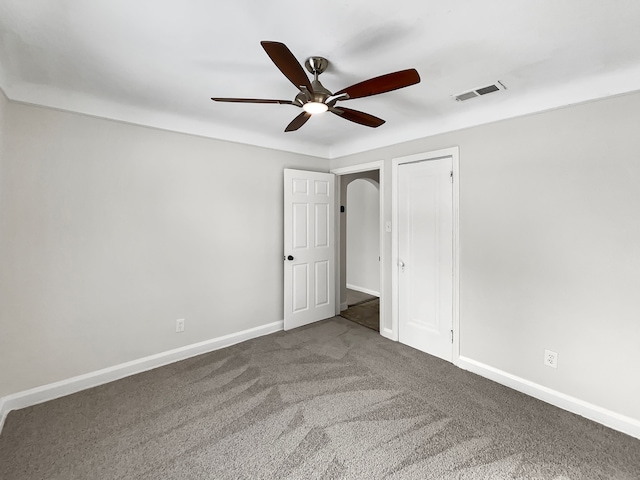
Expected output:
{"points": [[550, 256], [363, 236], [110, 232]]}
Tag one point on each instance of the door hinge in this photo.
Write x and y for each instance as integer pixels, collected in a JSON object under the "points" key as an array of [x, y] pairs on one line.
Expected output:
{"points": [[451, 175], [451, 336]]}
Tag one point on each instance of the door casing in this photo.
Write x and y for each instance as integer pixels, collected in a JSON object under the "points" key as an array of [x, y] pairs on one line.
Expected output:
{"points": [[363, 167]]}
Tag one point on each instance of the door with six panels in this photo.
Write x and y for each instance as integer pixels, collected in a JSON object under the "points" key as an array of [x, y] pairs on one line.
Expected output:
{"points": [[309, 247]]}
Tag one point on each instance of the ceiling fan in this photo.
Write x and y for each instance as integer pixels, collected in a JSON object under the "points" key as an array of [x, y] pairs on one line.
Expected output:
{"points": [[315, 98]]}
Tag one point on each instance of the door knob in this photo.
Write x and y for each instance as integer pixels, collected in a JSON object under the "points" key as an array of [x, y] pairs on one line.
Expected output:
{"points": [[290, 257], [401, 264]]}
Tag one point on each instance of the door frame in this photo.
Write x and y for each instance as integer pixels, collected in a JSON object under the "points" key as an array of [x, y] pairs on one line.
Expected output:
{"points": [[338, 172], [454, 154]]}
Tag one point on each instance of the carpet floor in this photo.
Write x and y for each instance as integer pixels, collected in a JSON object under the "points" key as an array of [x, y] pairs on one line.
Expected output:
{"points": [[332, 400]]}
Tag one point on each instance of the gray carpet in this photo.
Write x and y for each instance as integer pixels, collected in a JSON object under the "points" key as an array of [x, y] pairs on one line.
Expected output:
{"points": [[332, 400]]}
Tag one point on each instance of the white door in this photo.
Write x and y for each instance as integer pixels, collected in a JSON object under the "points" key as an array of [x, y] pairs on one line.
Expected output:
{"points": [[425, 256], [309, 247]]}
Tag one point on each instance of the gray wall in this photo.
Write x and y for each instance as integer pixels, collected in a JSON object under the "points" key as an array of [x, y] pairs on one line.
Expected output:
{"points": [[110, 232], [363, 235], [550, 246], [3, 108]]}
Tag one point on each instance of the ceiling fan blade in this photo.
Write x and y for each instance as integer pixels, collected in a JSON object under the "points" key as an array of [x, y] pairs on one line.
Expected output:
{"points": [[253, 100], [287, 63], [298, 122], [382, 84], [358, 117]]}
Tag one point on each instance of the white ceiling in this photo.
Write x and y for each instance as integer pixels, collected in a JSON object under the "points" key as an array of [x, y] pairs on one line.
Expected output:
{"points": [[158, 62]]}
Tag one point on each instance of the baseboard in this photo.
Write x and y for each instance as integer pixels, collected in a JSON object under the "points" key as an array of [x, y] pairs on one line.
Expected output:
{"points": [[59, 389], [363, 290], [344, 306], [3, 413], [388, 333], [611, 419]]}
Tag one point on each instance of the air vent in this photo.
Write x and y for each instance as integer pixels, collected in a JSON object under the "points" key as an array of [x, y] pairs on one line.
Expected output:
{"points": [[477, 92], [466, 96]]}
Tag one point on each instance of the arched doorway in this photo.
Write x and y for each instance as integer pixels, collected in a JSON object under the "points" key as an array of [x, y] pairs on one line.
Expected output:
{"points": [[361, 202]]}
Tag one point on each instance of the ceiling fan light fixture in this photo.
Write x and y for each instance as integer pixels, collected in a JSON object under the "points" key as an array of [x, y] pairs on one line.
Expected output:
{"points": [[315, 99], [315, 107]]}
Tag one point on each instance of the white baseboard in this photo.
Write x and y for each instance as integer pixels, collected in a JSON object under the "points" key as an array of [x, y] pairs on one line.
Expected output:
{"points": [[611, 419], [59, 389], [3, 412], [388, 333], [344, 306], [363, 290]]}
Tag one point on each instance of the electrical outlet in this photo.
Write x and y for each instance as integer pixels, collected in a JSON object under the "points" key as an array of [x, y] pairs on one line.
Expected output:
{"points": [[550, 359], [180, 325]]}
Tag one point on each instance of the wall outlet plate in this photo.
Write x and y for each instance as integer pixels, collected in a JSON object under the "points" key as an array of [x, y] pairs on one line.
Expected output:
{"points": [[180, 325], [551, 359]]}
